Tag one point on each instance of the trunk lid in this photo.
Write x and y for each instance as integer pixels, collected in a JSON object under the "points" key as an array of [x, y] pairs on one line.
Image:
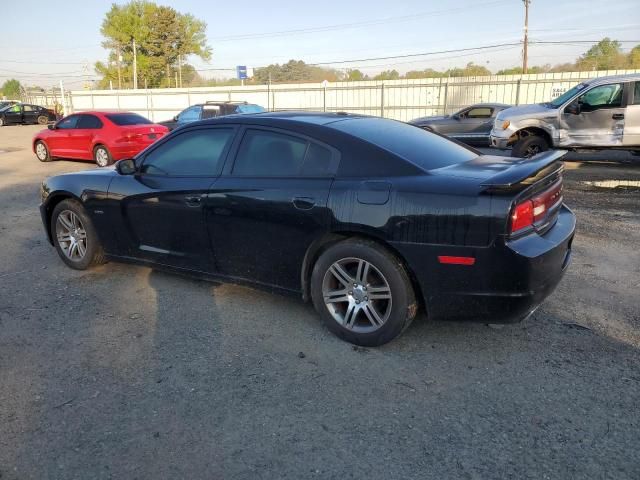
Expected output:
{"points": [[144, 133]]}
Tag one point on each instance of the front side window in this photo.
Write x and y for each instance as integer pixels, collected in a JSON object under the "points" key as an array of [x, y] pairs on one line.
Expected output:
{"points": [[193, 153], [567, 95], [604, 96], [270, 154], [191, 114], [89, 121], [480, 112], [14, 109], [67, 122]]}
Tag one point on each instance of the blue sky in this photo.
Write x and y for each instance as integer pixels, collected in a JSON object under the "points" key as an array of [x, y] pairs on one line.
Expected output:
{"points": [[359, 29]]}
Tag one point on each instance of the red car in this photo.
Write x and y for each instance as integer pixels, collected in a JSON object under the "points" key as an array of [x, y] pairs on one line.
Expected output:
{"points": [[103, 137]]}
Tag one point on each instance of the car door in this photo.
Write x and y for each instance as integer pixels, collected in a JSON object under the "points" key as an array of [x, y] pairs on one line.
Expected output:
{"points": [[596, 118], [13, 115], [158, 212], [81, 137], [268, 207], [29, 114], [631, 135], [59, 141], [473, 125]]}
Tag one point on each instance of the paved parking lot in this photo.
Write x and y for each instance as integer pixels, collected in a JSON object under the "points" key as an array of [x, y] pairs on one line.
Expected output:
{"points": [[124, 372]]}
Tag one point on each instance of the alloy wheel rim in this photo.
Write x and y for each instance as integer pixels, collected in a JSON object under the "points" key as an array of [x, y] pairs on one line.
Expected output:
{"points": [[357, 295], [71, 235], [102, 158], [533, 150], [41, 151]]}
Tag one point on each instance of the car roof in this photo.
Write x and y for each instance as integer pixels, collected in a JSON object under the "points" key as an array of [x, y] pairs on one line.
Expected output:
{"points": [[290, 117], [490, 104], [630, 77]]}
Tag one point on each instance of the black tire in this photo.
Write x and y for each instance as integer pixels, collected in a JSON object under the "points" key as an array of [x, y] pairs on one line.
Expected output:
{"points": [[102, 156], [94, 254], [529, 146], [636, 153], [42, 155], [43, 120], [401, 309], [2, 122]]}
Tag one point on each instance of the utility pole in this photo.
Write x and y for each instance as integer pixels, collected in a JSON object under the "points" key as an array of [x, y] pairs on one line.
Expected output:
{"points": [[119, 59], [526, 35], [180, 69], [135, 66], [64, 104]]}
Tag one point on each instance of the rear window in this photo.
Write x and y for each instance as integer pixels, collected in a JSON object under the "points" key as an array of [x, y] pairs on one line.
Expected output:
{"points": [[424, 149], [124, 119]]}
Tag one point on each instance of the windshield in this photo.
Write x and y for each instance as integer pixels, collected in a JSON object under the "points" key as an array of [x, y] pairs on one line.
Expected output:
{"points": [[124, 119], [250, 109], [567, 95]]}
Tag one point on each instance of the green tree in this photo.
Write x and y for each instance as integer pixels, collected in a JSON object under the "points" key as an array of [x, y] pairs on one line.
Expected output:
{"points": [[633, 59], [426, 73], [11, 89], [164, 38], [604, 55], [387, 75], [295, 71], [518, 70], [355, 75]]}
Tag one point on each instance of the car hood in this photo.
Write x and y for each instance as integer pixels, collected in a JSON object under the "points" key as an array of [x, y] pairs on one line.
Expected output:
{"points": [[425, 120], [103, 171], [536, 110]]}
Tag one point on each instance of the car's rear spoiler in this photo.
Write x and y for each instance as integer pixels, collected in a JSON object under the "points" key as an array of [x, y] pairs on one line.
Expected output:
{"points": [[539, 165]]}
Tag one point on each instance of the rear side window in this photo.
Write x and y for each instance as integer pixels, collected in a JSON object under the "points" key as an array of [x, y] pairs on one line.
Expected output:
{"points": [[636, 94], [29, 108], [89, 121], [424, 149], [124, 119], [193, 153], [271, 154], [250, 108], [480, 112]]}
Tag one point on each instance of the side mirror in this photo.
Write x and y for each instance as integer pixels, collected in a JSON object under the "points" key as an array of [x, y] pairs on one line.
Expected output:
{"points": [[175, 118], [126, 167], [455, 116], [573, 108], [51, 126]]}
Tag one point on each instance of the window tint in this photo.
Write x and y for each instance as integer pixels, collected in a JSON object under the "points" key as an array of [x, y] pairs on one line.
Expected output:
{"points": [[67, 122], [124, 119], [271, 154], [636, 94], [483, 112], [191, 114], [89, 121], [196, 152], [604, 96], [424, 149]]}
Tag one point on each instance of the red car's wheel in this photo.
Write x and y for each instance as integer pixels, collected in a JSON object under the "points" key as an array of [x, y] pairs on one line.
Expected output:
{"points": [[102, 156], [42, 152]]}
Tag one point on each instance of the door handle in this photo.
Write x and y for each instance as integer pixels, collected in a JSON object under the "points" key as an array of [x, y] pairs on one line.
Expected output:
{"points": [[304, 203], [193, 200], [618, 116]]}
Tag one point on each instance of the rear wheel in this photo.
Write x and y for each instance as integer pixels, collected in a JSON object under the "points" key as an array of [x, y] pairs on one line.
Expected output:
{"points": [[43, 120], [102, 156], [74, 236], [529, 146], [1, 122], [42, 152], [362, 292]]}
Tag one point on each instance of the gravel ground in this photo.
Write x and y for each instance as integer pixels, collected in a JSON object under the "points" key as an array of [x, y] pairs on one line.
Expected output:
{"points": [[124, 372]]}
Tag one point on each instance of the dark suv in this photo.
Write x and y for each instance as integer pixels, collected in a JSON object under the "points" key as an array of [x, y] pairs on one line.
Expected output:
{"points": [[202, 111]]}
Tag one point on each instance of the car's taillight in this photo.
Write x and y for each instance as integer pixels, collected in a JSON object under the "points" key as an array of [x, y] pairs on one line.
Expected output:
{"points": [[522, 216], [528, 212]]}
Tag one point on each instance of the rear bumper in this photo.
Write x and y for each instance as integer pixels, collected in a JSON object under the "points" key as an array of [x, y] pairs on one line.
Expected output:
{"points": [[508, 281]]}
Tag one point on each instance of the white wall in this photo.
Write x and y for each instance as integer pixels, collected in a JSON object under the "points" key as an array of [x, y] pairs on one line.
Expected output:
{"points": [[399, 99]]}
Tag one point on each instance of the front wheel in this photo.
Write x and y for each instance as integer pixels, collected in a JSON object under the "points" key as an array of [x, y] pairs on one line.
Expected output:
{"points": [[42, 152], [74, 236], [102, 156], [362, 292], [529, 146]]}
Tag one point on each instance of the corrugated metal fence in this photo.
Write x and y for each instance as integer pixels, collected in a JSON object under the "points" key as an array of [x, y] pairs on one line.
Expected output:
{"points": [[398, 99]]}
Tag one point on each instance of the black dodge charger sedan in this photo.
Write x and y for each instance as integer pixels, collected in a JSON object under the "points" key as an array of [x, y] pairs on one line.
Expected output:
{"points": [[366, 217]]}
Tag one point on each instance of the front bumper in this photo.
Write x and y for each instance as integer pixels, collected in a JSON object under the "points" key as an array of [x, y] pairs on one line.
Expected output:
{"points": [[498, 142], [508, 281]]}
